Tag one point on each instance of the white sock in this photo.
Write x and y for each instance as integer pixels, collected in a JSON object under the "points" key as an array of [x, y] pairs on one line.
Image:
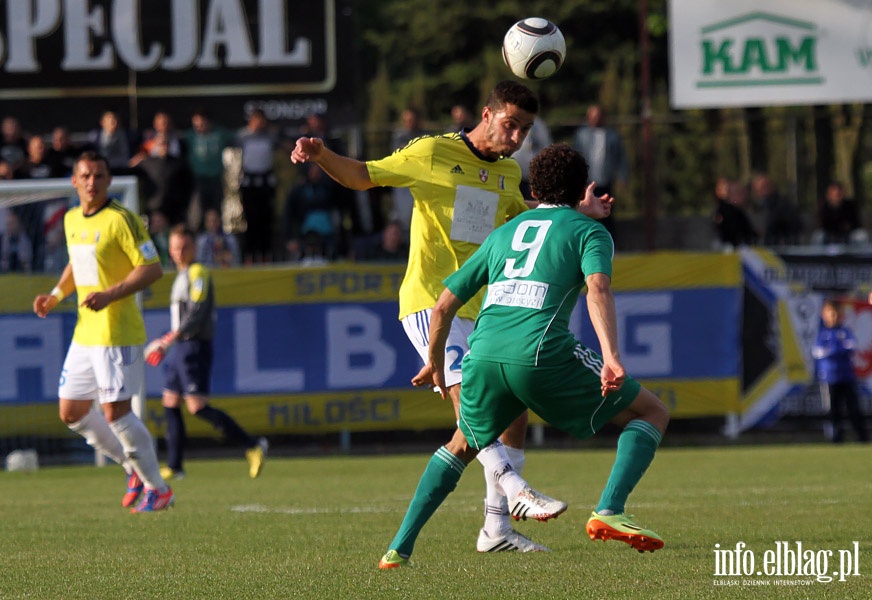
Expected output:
{"points": [[139, 450], [517, 458], [97, 432], [501, 480]]}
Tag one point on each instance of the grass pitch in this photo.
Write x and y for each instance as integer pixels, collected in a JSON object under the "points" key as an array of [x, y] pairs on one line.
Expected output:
{"points": [[316, 527]]}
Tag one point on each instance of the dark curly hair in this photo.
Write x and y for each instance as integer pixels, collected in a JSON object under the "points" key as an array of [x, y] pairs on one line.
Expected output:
{"points": [[512, 92], [558, 175]]}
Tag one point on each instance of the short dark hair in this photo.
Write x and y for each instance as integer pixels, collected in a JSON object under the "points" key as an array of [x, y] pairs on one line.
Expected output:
{"points": [[91, 156], [512, 92], [558, 175]]}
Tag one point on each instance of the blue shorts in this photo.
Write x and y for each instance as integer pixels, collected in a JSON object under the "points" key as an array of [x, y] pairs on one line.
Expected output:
{"points": [[188, 368]]}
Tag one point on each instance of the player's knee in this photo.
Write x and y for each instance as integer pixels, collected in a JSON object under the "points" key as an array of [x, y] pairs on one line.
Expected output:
{"points": [[656, 412], [71, 412], [648, 407], [459, 447], [69, 416]]}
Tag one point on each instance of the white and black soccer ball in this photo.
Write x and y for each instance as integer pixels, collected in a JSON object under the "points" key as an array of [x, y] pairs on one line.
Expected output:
{"points": [[534, 48]]}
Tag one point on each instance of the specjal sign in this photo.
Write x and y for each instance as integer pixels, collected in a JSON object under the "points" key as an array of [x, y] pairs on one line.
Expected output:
{"points": [[765, 52], [211, 50]]}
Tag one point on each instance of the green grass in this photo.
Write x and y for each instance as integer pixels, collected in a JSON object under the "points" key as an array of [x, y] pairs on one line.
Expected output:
{"points": [[316, 527]]}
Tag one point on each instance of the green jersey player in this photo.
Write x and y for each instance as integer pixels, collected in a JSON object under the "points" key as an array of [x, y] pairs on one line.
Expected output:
{"points": [[522, 354]]}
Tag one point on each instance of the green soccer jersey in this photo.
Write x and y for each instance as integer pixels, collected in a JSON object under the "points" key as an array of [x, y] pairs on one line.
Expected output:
{"points": [[534, 268]]}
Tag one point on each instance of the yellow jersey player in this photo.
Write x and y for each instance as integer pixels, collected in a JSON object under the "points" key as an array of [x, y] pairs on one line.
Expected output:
{"points": [[464, 186], [111, 258]]}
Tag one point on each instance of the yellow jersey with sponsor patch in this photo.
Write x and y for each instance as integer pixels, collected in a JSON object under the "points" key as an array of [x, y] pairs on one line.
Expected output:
{"points": [[460, 197], [104, 248]]}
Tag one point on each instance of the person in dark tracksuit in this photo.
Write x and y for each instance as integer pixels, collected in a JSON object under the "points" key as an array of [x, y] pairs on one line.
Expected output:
{"points": [[834, 371]]}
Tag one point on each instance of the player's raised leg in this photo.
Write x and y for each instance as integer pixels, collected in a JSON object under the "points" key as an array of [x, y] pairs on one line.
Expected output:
{"points": [[644, 423]]}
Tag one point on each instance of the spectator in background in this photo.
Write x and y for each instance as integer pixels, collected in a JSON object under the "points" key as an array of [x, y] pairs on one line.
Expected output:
{"points": [[257, 190], [159, 231], [783, 224], [37, 164], [311, 217], [401, 198], [834, 370], [206, 144], [164, 130], [355, 208], [31, 214], [62, 153], [390, 247], [461, 117], [215, 247], [6, 171], [16, 249], [538, 138], [731, 221], [55, 256], [603, 150], [113, 142], [13, 148], [164, 182], [839, 218]]}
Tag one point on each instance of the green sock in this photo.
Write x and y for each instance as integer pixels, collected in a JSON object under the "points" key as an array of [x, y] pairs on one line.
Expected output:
{"points": [[439, 479], [636, 447]]}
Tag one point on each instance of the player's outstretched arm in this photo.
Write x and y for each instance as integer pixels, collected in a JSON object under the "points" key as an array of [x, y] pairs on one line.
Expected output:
{"points": [[137, 280], [44, 303], [346, 171], [595, 207], [433, 372]]}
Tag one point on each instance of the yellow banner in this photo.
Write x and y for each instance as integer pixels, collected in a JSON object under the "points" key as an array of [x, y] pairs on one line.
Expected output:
{"points": [[356, 282], [312, 414]]}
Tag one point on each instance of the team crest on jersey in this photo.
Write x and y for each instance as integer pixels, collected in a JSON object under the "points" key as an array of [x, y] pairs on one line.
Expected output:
{"points": [[148, 249], [84, 235], [483, 174]]}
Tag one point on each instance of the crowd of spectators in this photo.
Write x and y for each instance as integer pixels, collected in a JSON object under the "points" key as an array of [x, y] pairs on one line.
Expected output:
{"points": [[184, 176], [757, 213]]}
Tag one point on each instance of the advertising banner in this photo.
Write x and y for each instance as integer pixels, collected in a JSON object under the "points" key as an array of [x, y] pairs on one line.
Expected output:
{"points": [[315, 350], [769, 52], [64, 62]]}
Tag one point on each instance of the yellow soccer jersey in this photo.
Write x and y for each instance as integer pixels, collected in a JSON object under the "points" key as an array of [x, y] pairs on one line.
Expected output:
{"points": [[460, 197], [104, 248]]}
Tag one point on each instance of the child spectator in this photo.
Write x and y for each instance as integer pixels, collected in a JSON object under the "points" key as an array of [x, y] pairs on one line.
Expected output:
{"points": [[834, 371]]}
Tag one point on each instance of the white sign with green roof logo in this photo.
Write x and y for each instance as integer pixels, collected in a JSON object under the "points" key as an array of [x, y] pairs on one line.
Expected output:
{"points": [[769, 52]]}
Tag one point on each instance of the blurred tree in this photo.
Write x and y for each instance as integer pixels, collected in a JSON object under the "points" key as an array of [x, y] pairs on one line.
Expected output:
{"points": [[433, 54]]}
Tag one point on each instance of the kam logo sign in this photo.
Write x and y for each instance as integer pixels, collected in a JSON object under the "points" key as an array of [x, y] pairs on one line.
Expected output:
{"points": [[740, 52], [769, 52]]}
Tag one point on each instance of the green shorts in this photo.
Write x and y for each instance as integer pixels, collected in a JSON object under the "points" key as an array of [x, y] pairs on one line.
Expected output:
{"points": [[567, 396]]}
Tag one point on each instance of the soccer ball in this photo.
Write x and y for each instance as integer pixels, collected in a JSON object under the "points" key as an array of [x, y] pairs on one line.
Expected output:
{"points": [[534, 48]]}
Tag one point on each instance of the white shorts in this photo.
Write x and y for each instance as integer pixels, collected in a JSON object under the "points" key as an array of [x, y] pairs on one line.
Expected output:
{"points": [[107, 373], [417, 326]]}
